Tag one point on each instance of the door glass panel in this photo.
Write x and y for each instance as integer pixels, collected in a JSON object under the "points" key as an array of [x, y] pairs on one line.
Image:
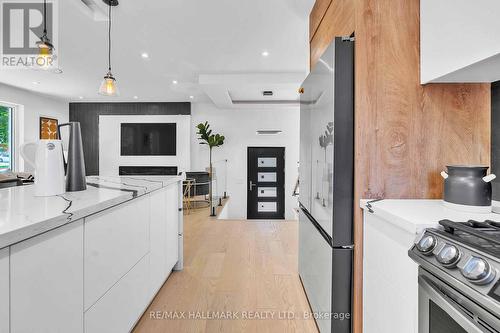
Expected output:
{"points": [[267, 192], [441, 322], [264, 177], [270, 207], [266, 162]]}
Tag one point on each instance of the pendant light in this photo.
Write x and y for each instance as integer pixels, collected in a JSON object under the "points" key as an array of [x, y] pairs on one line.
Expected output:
{"points": [[45, 46], [108, 86]]}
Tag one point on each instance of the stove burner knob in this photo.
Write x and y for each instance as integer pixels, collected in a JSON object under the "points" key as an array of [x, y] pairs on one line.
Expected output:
{"points": [[426, 244], [448, 256], [478, 271]]}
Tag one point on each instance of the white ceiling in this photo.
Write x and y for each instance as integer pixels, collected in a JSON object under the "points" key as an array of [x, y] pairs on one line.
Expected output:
{"points": [[184, 38], [246, 90]]}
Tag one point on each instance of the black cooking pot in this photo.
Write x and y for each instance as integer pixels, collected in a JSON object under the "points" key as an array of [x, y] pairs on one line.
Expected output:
{"points": [[467, 185]]}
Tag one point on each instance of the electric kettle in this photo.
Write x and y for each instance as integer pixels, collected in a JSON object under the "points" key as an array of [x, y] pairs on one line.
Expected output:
{"points": [[48, 164], [75, 167]]}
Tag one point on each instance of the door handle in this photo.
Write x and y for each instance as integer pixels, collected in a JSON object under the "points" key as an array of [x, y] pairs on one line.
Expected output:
{"points": [[251, 185]]}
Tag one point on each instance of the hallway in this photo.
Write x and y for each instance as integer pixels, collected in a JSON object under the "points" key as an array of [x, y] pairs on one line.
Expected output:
{"points": [[244, 272]]}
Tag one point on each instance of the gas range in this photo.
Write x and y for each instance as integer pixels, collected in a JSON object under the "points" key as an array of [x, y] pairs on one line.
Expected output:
{"points": [[466, 256]]}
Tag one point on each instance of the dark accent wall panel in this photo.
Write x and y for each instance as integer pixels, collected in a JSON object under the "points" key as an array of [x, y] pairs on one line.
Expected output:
{"points": [[495, 137], [88, 116]]}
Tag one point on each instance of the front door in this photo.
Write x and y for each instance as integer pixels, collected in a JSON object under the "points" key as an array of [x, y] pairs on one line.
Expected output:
{"points": [[266, 183]]}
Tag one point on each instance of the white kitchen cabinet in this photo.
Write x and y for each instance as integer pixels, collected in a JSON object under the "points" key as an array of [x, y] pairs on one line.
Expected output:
{"points": [[459, 41], [46, 282], [164, 247], [4, 290], [121, 307], [115, 240], [387, 270], [158, 239], [173, 216]]}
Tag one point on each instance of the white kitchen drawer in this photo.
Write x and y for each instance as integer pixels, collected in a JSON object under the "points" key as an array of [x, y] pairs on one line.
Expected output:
{"points": [[122, 306], [4, 291], [46, 282], [115, 240]]}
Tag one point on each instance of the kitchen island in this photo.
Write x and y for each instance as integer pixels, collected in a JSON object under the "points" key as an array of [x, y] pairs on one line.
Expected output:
{"points": [[88, 261]]}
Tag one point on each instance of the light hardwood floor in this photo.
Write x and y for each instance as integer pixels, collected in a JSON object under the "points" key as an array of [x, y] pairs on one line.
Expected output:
{"points": [[243, 267]]}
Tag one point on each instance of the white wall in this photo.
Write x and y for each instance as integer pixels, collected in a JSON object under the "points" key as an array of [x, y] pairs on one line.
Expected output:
{"points": [[29, 107], [109, 144], [239, 127]]}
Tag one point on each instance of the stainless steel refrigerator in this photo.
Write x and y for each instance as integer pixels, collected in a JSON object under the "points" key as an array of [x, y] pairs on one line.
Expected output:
{"points": [[326, 174]]}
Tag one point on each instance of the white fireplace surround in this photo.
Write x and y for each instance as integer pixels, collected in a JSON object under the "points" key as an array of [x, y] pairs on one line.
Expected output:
{"points": [[109, 144]]}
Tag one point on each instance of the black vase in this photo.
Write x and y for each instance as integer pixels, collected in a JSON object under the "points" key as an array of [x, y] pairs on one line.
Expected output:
{"points": [[467, 185]]}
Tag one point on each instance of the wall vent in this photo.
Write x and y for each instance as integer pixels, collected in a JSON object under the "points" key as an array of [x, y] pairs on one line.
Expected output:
{"points": [[268, 132]]}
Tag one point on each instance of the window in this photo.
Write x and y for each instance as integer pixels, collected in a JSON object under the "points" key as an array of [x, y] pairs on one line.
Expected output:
{"points": [[6, 138]]}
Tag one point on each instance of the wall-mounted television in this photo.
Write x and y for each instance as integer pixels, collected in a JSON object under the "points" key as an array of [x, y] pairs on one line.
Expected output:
{"points": [[142, 139]]}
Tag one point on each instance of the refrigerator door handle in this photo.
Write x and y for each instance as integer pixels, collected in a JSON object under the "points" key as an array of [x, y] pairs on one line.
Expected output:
{"points": [[316, 225], [345, 247]]}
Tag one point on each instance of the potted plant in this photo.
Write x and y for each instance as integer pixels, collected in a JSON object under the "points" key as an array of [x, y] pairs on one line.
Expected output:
{"points": [[211, 140]]}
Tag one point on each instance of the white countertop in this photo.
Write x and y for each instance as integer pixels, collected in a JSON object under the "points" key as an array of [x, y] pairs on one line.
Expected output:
{"points": [[22, 215], [415, 214]]}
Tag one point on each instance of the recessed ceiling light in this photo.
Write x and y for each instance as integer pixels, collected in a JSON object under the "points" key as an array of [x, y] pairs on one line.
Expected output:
{"points": [[144, 55], [191, 97], [174, 82], [80, 97], [265, 53], [36, 82], [136, 97]]}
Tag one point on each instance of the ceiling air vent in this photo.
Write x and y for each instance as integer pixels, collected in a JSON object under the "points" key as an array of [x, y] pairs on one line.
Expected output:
{"points": [[268, 132], [267, 93]]}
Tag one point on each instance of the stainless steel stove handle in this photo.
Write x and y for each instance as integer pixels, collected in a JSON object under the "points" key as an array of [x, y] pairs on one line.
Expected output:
{"points": [[443, 301]]}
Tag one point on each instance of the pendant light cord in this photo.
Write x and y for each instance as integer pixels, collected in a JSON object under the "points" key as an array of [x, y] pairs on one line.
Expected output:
{"points": [[45, 17], [109, 37]]}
